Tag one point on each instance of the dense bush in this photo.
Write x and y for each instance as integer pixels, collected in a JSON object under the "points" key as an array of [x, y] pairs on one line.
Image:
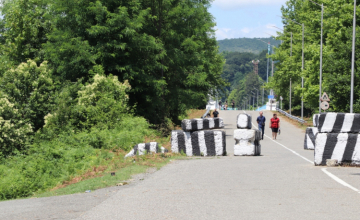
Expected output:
{"points": [[30, 88], [14, 132], [100, 104], [51, 162]]}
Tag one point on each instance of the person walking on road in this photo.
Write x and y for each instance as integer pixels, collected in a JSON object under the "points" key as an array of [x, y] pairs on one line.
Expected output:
{"points": [[215, 113], [261, 124], [274, 125], [233, 105], [220, 104]]}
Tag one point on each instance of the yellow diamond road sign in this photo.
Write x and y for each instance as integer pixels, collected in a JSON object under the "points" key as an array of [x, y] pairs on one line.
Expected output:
{"points": [[325, 98]]}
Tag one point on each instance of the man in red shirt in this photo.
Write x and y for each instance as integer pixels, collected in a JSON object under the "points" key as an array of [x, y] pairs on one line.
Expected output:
{"points": [[274, 125]]}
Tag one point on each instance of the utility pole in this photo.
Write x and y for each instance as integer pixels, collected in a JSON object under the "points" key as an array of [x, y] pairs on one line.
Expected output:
{"points": [[291, 44], [290, 96], [353, 61], [321, 50], [302, 77], [302, 66]]}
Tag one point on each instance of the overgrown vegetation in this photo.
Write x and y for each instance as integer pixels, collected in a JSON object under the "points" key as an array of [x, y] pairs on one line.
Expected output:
{"points": [[338, 24], [81, 82]]}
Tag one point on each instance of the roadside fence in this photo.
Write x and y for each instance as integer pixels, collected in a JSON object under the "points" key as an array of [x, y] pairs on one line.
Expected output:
{"points": [[290, 116]]}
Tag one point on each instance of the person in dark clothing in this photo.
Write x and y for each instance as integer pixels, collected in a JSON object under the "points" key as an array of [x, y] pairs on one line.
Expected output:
{"points": [[215, 113], [261, 124], [274, 125], [233, 105], [220, 104]]}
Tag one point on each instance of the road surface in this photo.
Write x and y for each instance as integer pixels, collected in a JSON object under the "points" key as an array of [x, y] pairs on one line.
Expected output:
{"points": [[283, 183]]}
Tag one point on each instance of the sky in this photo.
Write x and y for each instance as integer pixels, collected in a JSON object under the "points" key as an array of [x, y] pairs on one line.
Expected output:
{"points": [[246, 18]]}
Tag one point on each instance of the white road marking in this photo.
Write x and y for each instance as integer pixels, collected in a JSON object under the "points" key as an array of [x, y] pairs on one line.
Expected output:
{"points": [[337, 179], [292, 151]]}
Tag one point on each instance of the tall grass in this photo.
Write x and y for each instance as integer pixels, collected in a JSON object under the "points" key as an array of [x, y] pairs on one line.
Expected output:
{"points": [[48, 163]]}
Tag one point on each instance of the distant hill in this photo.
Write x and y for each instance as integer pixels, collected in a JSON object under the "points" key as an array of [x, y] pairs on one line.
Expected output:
{"points": [[252, 45]]}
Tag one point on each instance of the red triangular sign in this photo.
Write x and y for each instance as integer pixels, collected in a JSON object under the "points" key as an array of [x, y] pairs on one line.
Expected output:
{"points": [[325, 97]]}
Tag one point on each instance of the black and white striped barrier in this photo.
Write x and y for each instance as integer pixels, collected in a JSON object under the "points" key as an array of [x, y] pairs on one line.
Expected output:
{"points": [[339, 123], [316, 120], [244, 121], [309, 142], [201, 124], [343, 147], [199, 143], [247, 142], [145, 148]]}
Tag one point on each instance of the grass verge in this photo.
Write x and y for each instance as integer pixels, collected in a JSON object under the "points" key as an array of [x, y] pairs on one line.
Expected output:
{"points": [[101, 177]]}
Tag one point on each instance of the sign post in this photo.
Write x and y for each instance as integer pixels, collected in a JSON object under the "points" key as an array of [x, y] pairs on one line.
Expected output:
{"points": [[325, 102]]}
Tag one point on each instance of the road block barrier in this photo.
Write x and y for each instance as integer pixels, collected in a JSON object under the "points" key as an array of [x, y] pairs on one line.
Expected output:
{"points": [[201, 124], [145, 148], [316, 120], [339, 123], [343, 147], [310, 134], [244, 121], [247, 142], [199, 143]]}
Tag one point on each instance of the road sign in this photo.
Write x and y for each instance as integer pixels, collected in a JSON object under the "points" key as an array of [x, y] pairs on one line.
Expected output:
{"points": [[324, 105], [270, 96], [325, 97], [281, 98]]}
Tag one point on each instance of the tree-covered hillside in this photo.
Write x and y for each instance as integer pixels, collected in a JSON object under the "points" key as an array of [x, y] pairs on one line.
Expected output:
{"points": [[251, 45], [239, 73]]}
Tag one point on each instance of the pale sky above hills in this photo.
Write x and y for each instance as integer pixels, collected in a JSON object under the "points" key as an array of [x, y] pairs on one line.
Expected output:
{"points": [[246, 18]]}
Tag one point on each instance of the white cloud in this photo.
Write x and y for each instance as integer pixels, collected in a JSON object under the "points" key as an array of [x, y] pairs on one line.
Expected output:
{"points": [[236, 4], [245, 30], [249, 32]]}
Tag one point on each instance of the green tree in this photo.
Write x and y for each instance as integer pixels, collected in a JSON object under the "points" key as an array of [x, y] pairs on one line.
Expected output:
{"points": [[166, 49], [24, 26]]}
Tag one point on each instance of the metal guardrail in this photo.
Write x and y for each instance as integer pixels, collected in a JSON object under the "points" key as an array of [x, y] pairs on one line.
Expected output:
{"points": [[290, 116], [207, 112]]}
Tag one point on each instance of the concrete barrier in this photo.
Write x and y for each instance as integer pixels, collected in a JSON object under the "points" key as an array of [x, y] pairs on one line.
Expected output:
{"points": [[199, 143], [202, 124], [244, 121], [343, 147], [339, 123], [316, 120], [310, 134], [145, 148], [247, 142]]}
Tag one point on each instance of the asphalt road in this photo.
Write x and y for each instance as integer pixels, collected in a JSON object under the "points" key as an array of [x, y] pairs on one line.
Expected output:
{"points": [[283, 183]]}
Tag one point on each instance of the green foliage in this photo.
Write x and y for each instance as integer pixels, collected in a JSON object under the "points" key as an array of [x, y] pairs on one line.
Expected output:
{"points": [[65, 73], [337, 40], [101, 104], [24, 27], [166, 49], [30, 88], [27, 97], [239, 72], [245, 45], [51, 162], [14, 132]]}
